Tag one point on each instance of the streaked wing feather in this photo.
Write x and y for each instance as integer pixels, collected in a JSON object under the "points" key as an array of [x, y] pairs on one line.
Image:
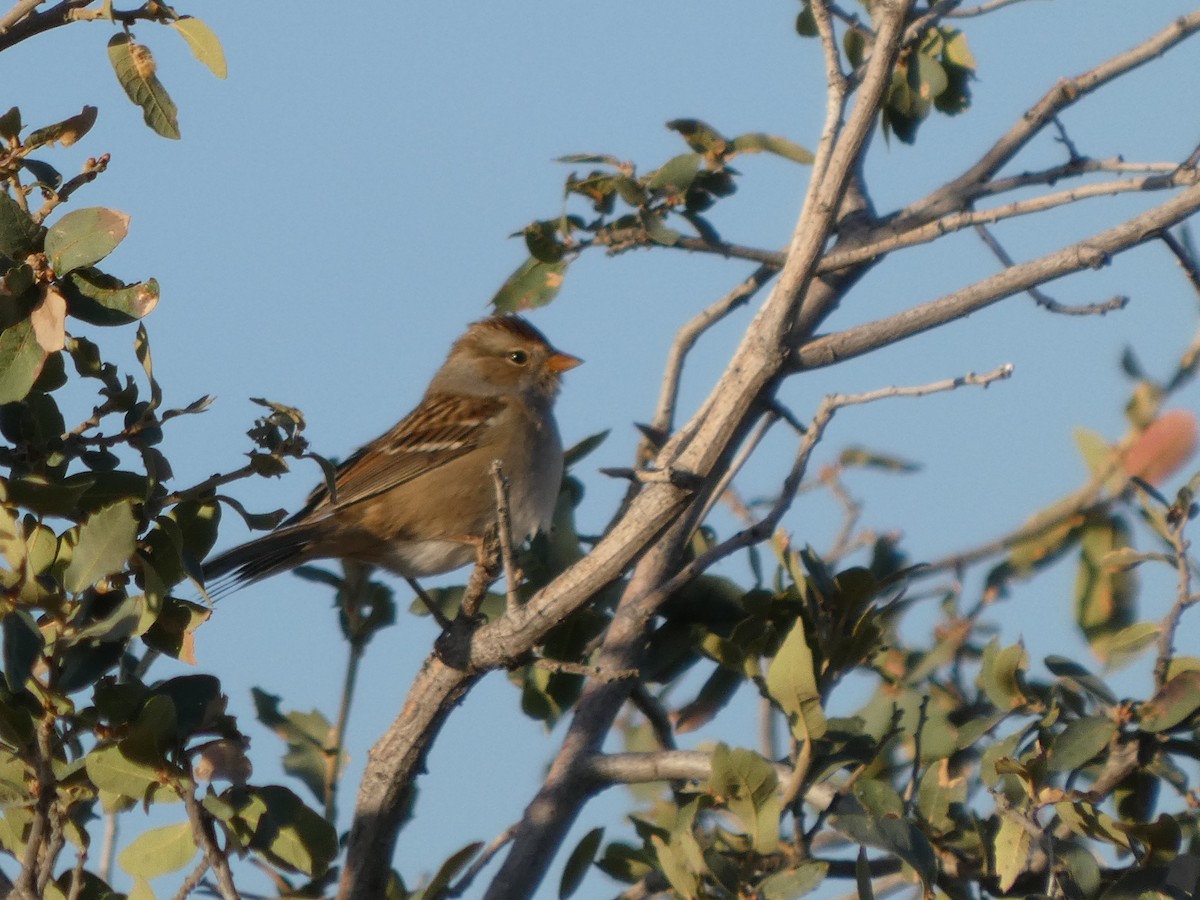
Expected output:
{"points": [[441, 429]]}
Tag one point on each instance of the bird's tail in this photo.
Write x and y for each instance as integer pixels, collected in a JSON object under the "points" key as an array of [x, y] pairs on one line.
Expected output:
{"points": [[276, 552]]}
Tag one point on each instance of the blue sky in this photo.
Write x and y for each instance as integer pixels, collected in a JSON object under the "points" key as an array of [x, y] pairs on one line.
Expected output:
{"points": [[340, 207]]}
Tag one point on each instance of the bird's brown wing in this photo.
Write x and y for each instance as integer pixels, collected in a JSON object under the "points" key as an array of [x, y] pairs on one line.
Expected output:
{"points": [[441, 429]]}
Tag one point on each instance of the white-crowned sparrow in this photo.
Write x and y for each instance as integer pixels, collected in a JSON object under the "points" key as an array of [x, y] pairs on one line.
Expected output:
{"points": [[418, 499]]}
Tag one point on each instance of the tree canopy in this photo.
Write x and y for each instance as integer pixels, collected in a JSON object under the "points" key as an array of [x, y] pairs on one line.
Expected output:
{"points": [[904, 735]]}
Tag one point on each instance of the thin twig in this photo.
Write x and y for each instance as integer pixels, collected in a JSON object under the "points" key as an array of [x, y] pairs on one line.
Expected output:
{"points": [[1092, 252], [1039, 296], [743, 455], [816, 429], [1186, 262], [481, 861], [77, 874], [852, 509], [910, 791], [1183, 600], [108, 848], [512, 575], [334, 752], [193, 879], [903, 232], [35, 843], [206, 839], [429, 603], [981, 9], [656, 715], [686, 337]]}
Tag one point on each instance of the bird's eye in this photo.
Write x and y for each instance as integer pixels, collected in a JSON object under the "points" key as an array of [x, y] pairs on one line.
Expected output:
{"points": [[518, 357]]}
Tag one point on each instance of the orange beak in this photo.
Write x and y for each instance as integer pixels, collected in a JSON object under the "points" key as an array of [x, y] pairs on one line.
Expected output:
{"points": [[561, 362]]}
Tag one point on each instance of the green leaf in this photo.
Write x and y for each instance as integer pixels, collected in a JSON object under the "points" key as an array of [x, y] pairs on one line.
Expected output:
{"points": [[748, 786], [700, 136], [577, 452], [172, 631], [134, 67], [806, 23], [676, 175], [1001, 677], [534, 284], [792, 683], [1075, 674], [957, 51], [657, 230], [205, 44], [449, 869], [862, 875], [1086, 821], [891, 834], [18, 233], [937, 792], [84, 236], [100, 299], [1174, 702], [1124, 646], [306, 736], [541, 239], [10, 123], [106, 541], [1080, 742], [1097, 452], [1012, 847], [674, 865], [110, 769], [274, 821], [579, 862], [793, 884], [1104, 599], [159, 851], [22, 642], [21, 360], [757, 142], [927, 77]]}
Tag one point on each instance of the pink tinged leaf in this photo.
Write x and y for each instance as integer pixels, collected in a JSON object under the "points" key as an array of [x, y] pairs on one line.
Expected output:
{"points": [[49, 320], [1164, 447]]}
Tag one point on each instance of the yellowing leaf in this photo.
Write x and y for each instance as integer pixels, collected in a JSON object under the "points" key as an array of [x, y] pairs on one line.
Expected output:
{"points": [[1013, 845], [205, 44]]}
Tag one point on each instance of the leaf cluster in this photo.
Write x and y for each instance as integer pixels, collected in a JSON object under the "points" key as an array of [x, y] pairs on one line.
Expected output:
{"points": [[629, 209], [97, 555]]}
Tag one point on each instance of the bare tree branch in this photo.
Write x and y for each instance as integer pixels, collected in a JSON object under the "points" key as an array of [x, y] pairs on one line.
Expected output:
{"points": [[686, 337], [701, 448], [17, 13], [1092, 252], [1040, 297], [898, 239], [1064, 94]]}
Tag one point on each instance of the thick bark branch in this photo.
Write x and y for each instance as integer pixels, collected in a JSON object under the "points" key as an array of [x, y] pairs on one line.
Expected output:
{"points": [[702, 448]]}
